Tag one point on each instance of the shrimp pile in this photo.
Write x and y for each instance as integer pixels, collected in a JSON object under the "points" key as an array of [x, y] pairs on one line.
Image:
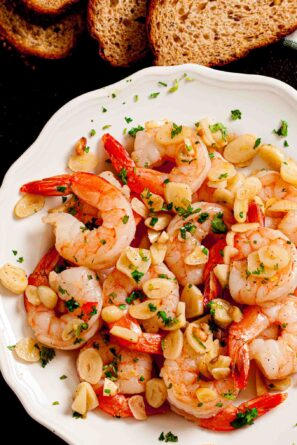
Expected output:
{"points": [[170, 276]]}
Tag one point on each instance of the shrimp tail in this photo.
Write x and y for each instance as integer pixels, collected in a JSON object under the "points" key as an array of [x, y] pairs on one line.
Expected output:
{"points": [[54, 186], [232, 417], [39, 277], [137, 178], [116, 406], [255, 214], [252, 324]]}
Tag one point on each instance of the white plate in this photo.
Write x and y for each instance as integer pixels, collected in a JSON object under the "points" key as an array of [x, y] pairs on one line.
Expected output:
{"points": [[263, 102]]}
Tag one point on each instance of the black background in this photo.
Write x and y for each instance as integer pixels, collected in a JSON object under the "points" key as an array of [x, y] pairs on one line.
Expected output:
{"points": [[30, 92]]}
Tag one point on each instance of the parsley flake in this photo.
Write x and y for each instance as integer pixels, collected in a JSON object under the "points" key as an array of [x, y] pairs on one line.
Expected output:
{"points": [[235, 114]]}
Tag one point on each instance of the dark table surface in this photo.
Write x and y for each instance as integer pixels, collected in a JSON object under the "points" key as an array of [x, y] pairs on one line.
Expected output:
{"points": [[30, 92]]}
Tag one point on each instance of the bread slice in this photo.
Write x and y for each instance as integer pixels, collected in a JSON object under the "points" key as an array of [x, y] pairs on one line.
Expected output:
{"points": [[53, 41], [119, 27], [216, 32], [49, 6]]}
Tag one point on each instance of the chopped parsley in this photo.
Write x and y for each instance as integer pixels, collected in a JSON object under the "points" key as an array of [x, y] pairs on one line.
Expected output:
{"points": [[235, 114], [11, 347], [219, 404], [152, 307], [168, 321], [257, 143], [181, 211], [136, 275], [93, 132], [211, 155], [162, 84], [135, 295], [106, 126], [122, 307], [15, 252], [174, 87], [87, 149], [20, 259], [61, 188], [125, 219], [188, 227], [229, 395], [223, 176], [76, 415], [286, 144], [128, 119], [136, 97], [168, 437], [211, 305], [153, 221], [104, 110], [141, 378], [123, 175], [45, 355], [135, 130], [217, 224], [166, 181], [176, 129], [71, 304], [56, 403], [283, 129], [154, 95], [219, 127], [245, 418], [107, 391], [203, 217], [63, 377], [103, 241], [204, 250]]}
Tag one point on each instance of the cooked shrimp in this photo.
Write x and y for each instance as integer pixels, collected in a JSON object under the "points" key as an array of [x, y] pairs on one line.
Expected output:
{"points": [[275, 188], [98, 248], [75, 317], [187, 232], [118, 287], [264, 269], [192, 163], [276, 357], [130, 370]]}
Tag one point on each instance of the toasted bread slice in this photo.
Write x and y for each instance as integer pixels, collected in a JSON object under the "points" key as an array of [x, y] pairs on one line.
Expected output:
{"points": [[52, 41], [119, 27], [216, 32], [49, 6]]}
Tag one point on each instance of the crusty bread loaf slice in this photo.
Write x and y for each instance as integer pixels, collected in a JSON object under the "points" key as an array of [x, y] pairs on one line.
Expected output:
{"points": [[49, 6], [216, 32], [119, 27], [52, 41]]}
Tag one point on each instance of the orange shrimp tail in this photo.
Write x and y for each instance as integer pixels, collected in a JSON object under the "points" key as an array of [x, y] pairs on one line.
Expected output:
{"points": [[116, 406], [39, 277], [54, 186], [255, 214], [138, 179], [212, 289], [225, 419], [149, 343]]}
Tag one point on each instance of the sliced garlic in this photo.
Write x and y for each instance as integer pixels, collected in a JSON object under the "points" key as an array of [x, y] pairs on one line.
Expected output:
{"points": [[155, 392], [244, 227], [27, 349], [124, 333], [139, 208], [152, 201], [85, 399], [158, 253], [137, 407], [179, 194], [28, 205], [145, 310], [288, 171], [166, 136], [71, 329], [173, 344], [112, 313], [13, 278], [221, 170], [240, 209], [222, 271], [32, 295], [90, 365], [272, 155], [86, 162], [241, 149], [224, 196], [47, 296], [153, 236], [158, 222], [274, 257], [193, 298], [156, 288], [110, 388], [229, 252], [282, 205], [206, 395], [198, 257]]}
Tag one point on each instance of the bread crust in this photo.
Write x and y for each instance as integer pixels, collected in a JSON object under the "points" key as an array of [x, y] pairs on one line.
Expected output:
{"points": [[243, 52], [50, 9], [93, 7], [76, 20]]}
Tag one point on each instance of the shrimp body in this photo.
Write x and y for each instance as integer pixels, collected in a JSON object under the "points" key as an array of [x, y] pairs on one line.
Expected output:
{"points": [[130, 371], [181, 377], [117, 287], [98, 248], [276, 355], [191, 170], [248, 286], [200, 223], [75, 318]]}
